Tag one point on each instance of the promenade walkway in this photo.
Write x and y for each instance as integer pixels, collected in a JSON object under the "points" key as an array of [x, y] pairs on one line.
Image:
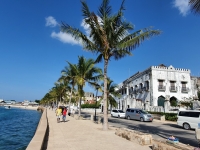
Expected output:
{"points": [[84, 135]]}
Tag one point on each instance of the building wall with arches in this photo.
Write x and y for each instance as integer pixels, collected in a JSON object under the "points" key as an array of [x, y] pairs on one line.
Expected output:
{"points": [[156, 84]]}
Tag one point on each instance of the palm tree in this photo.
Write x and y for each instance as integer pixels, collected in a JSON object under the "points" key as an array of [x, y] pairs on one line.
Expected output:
{"points": [[112, 93], [69, 76], [45, 99], [110, 37], [60, 89], [195, 6], [83, 72]]}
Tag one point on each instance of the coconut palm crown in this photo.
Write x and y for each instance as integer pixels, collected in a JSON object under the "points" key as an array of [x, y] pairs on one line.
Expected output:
{"points": [[110, 37], [84, 72]]}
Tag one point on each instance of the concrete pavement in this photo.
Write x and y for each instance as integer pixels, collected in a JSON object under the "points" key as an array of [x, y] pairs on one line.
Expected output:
{"points": [[84, 135]]}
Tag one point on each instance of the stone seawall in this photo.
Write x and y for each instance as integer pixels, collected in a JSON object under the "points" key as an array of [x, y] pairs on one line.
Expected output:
{"points": [[38, 139]]}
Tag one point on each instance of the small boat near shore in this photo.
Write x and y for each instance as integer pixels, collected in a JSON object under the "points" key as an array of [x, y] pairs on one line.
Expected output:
{"points": [[7, 107]]}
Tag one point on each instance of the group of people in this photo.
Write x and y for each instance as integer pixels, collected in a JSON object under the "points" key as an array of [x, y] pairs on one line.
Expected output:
{"points": [[61, 112]]}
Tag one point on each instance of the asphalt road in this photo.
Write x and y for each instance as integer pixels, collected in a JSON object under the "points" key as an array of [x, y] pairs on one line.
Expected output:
{"points": [[159, 130]]}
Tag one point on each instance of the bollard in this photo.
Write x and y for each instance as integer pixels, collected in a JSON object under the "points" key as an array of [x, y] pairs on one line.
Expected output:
{"points": [[91, 118], [162, 118], [99, 119]]}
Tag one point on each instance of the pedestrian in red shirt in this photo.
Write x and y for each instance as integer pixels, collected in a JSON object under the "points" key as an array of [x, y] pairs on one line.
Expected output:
{"points": [[64, 114]]}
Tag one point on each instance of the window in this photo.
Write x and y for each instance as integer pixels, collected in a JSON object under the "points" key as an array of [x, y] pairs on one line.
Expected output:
{"points": [[137, 111], [194, 114], [143, 112], [161, 87], [131, 89], [120, 111], [128, 110], [184, 113], [172, 84], [132, 111], [189, 114], [160, 82], [184, 89]]}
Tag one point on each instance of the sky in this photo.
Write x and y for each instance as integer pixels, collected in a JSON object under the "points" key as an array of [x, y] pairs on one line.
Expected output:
{"points": [[33, 50]]}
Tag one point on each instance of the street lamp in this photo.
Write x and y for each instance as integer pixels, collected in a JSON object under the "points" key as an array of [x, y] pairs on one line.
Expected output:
{"points": [[97, 87]]}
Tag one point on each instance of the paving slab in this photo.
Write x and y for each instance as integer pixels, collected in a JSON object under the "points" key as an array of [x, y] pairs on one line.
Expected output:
{"points": [[84, 135]]}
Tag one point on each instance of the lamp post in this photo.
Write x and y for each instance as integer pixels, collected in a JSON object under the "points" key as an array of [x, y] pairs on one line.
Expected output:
{"points": [[96, 105]]}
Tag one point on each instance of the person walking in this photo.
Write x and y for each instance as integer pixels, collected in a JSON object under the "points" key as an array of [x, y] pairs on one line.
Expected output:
{"points": [[58, 113], [64, 114]]}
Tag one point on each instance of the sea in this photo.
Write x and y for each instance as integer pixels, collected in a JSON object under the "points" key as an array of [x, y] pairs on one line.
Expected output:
{"points": [[17, 127]]}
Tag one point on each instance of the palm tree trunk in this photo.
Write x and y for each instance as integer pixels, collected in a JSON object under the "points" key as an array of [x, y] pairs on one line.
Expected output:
{"points": [[105, 112], [79, 107], [70, 99]]}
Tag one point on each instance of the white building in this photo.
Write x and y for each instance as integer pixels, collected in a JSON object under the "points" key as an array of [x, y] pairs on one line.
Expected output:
{"points": [[157, 87]]}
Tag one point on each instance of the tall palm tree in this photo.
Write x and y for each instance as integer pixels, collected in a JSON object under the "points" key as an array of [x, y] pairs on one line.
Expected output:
{"points": [[84, 71], [195, 6], [110, 37]]}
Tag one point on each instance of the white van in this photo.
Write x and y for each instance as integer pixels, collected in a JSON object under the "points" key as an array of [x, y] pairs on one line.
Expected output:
{"points": [[188, 119]]}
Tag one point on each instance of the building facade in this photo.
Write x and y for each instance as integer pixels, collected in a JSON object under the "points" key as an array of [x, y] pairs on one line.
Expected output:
{"points": [[158, 87]]}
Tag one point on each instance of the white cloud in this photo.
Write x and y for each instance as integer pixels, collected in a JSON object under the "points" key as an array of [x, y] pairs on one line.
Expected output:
{"points": [[65, 38], [51, 22], [182, 5], [85, 27]]}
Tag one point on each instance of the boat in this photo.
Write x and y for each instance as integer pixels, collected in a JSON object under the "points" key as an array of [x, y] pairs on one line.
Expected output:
{"points": [[7, 107]]}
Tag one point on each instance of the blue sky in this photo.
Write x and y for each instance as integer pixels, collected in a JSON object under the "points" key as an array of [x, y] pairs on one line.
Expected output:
{"points": [[33, 50]]}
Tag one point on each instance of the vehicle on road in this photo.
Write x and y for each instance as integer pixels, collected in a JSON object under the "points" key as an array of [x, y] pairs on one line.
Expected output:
{"points": [[188, 119], [138, 114], [117, 113]]}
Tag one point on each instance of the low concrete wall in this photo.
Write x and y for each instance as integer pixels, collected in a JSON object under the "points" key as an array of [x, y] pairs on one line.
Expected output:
{"points": [[38, 139], [91, 110], [134, 136]]}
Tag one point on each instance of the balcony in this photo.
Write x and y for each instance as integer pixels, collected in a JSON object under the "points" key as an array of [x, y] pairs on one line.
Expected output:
{"points": [[146, 88], [184, 90], [161, 88], [173, 89], [140, 90]]}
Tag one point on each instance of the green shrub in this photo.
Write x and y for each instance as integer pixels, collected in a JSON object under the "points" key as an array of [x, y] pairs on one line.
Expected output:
{"points": [[171, 116], [90, 106], [168, 116]]}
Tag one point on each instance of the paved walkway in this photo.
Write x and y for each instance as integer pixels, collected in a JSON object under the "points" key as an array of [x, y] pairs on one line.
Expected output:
{"points": [[84, 135]]}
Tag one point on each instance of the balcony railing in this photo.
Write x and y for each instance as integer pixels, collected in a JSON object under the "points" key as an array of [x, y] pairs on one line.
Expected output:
{"points": [[184, 90], [134, 91], [146, 88], [161, 88], [140, 90], [173, 89]]}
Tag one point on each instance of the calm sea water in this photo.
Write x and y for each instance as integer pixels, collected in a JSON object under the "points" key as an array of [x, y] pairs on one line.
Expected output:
{"points": [[17, 127]]}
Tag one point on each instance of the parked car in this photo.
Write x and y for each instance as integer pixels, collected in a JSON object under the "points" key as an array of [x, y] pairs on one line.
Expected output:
{"points": [[188, 119], [117, 113], [138, 114]]}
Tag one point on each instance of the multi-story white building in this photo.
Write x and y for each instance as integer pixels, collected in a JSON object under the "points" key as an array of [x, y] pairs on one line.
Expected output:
{"points": [[157, 87]]}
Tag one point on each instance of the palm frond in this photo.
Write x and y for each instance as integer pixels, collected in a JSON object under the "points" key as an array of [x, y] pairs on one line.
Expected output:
{"points": [[195, 6], [78, 36], [133, 40], [104, 10], [85, 9]]}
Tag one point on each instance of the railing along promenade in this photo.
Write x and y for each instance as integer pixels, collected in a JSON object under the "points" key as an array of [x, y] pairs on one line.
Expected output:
{"points": [[38, 139]]}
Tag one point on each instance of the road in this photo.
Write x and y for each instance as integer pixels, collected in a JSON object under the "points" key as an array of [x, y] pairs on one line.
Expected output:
{"points": [[159, 130]]}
